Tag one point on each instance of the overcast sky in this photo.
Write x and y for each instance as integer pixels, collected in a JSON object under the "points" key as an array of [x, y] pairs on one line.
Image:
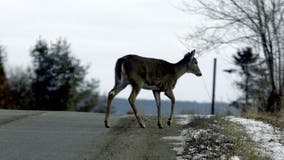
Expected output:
{"points": [[101, 31]]}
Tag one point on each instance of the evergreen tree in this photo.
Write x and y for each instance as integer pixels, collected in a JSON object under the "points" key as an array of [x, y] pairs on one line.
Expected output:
{"points": [[59, 77], [244, 59], [5, 95], [20, 81], [87, 97], [254, 81]]}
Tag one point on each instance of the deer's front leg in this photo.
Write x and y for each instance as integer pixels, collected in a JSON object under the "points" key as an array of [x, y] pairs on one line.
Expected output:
{"points": [[131, 99], [109, 99], [169, 93], [111, 95], [158, 103]]}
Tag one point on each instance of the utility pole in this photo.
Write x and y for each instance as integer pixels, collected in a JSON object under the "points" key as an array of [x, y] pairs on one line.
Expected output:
{"points": [[213, 88]]}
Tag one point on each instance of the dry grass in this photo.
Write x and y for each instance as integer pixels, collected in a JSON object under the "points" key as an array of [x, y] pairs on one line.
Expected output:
{"points": [[275, 119], [243, 145]]}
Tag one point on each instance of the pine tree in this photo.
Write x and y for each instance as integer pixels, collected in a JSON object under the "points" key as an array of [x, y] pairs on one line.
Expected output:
{"points": [[244, 59], [20, 80], [5, 95], [59, 77]]}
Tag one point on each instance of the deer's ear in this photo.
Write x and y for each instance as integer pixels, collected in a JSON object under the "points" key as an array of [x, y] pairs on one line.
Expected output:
{"points": [[190, 55]]}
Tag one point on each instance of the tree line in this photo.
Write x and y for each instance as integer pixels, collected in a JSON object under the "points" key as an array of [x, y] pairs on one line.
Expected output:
{"points": [[56, 80]]}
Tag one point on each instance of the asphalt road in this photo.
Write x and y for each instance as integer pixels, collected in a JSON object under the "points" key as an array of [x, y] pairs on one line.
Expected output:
{"points": [[36, 135]]}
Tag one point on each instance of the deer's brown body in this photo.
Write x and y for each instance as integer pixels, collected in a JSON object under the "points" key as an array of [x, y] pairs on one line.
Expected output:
{"points": [[153, 74]]}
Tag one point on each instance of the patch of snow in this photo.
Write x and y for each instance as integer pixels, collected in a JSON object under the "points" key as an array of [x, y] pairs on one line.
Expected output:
{"points": [[174, 138], [179, 147], [263, 133], [183, 119], [235, 158], [189, 133]]}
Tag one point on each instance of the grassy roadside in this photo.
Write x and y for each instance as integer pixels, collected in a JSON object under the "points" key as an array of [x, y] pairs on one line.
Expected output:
{"points": [[224, 139], [275, 119], [244, 147]]}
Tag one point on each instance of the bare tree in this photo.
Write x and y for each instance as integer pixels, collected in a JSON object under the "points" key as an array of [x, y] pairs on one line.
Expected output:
{"points": [[258, 23]]}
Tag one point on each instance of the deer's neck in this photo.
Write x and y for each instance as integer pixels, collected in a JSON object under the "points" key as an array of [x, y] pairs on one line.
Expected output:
{"points": [[180, 68]]}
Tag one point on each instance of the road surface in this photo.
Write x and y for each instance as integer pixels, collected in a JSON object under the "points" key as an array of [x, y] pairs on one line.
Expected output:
{"points": [[40, 135]]}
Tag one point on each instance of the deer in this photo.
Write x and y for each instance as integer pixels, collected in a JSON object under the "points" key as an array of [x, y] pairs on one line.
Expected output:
{"points": [[151, 74]]}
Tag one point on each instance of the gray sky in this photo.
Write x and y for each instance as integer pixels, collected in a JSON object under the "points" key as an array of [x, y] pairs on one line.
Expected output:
{"points": [[100, 31]]}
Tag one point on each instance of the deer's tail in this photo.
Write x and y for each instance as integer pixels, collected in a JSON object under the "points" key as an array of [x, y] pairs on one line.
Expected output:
{"points": [[118, 69]]}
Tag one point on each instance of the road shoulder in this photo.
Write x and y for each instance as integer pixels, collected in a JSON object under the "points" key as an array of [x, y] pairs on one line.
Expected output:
{"points": [[127, 141]]}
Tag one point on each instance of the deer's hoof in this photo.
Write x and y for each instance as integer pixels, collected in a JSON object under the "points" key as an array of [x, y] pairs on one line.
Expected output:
{"points": [[107, 124], [169, 122], [160, 126], [142, 125]]}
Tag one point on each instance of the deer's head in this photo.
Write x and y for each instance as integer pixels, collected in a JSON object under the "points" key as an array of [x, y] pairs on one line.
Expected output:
{"points": [[192, 64]]}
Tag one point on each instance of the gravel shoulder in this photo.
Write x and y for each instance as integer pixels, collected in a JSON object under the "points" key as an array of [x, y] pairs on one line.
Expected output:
{"points": [[127, 141]]}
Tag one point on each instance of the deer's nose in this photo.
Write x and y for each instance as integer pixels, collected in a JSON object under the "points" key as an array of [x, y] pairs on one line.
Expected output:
{"points": [[199, 74]]}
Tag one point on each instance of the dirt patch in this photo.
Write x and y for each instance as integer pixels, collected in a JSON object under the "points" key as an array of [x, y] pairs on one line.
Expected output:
{"points": [[127, 141]]}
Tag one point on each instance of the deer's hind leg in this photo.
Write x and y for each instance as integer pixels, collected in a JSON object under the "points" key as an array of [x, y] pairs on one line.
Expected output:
{"points": [[158, 103], [171, 96], [111, 95], [131, 99]]}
